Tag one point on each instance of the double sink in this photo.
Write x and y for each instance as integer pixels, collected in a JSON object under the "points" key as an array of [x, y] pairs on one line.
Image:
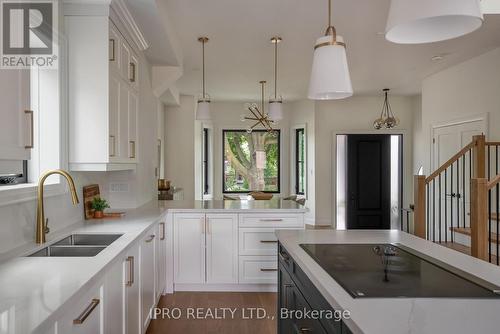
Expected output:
{"points": [[78, 245]]}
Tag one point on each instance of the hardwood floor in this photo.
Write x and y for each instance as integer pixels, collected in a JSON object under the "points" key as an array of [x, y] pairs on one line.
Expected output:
{"points": [[208, 303]]}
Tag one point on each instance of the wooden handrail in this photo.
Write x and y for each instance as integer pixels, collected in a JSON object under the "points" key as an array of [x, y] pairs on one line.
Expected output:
{"points": [[450, 162], [493, 182], [492, 143]]}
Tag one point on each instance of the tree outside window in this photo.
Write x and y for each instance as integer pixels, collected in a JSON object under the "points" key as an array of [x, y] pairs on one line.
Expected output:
{"points": [[251, 161]]}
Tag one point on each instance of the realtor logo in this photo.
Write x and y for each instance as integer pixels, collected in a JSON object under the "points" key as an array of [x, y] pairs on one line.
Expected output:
{"points": [[28, 33]]}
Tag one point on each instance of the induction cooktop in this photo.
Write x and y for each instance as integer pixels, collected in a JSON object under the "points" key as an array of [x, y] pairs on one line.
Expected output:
{"points": [[393, 270]]}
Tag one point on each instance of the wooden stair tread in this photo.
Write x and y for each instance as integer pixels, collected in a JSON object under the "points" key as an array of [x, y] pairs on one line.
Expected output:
{"points": [[467, 231], [463, 249]]}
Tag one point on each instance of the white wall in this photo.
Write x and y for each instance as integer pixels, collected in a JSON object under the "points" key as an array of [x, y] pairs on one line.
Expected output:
{"points": [[468, 89], [179, 145], [353, 115]]}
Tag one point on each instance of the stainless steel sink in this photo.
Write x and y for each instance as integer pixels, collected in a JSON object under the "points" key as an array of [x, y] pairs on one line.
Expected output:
{"points": [[68, 251], [88, 240], [78, 245]]}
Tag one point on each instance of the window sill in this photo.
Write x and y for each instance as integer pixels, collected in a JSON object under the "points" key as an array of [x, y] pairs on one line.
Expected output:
{"points": [[20, 193]]}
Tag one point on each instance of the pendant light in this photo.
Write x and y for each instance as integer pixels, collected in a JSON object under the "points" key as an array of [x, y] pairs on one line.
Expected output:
{"points": [[387, 118], [330, 78], [276, 103], [203, 110], [427, 21], [258, 115]]}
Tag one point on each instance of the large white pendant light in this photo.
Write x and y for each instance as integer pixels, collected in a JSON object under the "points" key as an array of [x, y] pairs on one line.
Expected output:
{"points": [[203, 110], [427, 21], [330, 78], [276, 103]]}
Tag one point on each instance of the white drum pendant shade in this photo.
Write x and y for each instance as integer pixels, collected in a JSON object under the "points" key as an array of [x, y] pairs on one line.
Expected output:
{"points": [[427, 21], [275, 111], [203, 111], [330, 78]]}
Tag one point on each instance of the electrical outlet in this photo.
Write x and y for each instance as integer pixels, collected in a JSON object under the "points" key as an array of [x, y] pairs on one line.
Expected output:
{"points": [[118, 187]]}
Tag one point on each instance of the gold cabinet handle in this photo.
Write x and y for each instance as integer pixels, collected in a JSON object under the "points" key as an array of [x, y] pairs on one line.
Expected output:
{"points": [[131, 277], [151, 237], [269, 241], [112, 55], [272, 220], [305, 330], [132, 72], [132, 149], [113, 139], [162, 231], [32, 129], [268, 269], [85, 314]]}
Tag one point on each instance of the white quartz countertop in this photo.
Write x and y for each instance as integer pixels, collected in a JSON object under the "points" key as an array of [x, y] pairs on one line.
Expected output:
{"points": [[34, 290], [400, 315], [272, 205]]}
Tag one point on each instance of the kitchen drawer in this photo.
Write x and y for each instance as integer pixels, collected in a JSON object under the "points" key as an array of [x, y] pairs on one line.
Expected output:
{"points": [[258, 270], [257, 241], [278, 220]]}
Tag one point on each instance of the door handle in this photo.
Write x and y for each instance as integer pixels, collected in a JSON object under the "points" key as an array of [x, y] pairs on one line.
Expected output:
{"points": [[269, 241], [131, 277], [162, 231], [32, 129], [268, 269], [151, 237]]}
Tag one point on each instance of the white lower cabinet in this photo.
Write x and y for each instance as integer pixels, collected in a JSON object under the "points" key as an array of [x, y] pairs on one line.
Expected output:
{"points": [[131, 293], [121, 301], [86, 315], [221, 248], [189, 248], [147, 276]]}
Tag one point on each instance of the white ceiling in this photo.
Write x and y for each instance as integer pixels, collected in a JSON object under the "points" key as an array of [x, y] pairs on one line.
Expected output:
{"points": [[239, 53]]}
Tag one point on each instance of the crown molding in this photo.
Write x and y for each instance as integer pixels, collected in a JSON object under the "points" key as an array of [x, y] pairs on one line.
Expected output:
{"points": [[119, 7]]}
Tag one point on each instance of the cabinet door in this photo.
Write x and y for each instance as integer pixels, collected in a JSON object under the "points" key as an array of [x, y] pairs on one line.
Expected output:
{"points": [[114, 116], [147, 264], [113, 294], [132, 291], [222, 248], [133, 105], [85, 316], [161, 260], [123, 141], [16, 125], [114, 48], [284, 292], [189, 248]]}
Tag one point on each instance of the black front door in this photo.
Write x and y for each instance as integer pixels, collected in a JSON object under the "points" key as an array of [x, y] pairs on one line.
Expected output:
{"points": [[368, 181]]}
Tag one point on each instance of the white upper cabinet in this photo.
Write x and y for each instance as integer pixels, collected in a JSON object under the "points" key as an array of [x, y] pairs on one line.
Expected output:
{"points": [[16, 125], [103, 98]]}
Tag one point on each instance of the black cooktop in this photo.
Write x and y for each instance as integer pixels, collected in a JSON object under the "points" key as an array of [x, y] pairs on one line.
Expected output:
{"points": [[393, 270]]}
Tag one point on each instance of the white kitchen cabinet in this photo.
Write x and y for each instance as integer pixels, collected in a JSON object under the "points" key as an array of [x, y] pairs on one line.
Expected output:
{"points": [[147, 275], [161, 262], [85, 316], [115, 301], [222, 248], [99, 96], [189, 248], [131, 294], [16, 125]]}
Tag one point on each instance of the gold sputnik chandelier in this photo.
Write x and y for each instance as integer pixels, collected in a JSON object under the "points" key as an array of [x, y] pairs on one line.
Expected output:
{"points": [[259, 115]]}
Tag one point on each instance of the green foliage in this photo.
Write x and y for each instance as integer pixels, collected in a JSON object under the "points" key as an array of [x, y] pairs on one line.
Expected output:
{"points": [[99, 204], [239, 145]]}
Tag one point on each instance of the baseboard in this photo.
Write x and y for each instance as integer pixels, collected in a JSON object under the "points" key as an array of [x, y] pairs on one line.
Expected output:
{"points": [[226, 287]]}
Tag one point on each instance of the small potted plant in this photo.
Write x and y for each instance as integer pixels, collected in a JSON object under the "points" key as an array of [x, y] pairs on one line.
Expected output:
{"points": [[98, 205]]}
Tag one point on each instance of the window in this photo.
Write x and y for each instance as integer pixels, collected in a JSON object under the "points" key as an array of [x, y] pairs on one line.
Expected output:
{"points": [[300, 160], [206, 154], [251, 161], [13, 172]]}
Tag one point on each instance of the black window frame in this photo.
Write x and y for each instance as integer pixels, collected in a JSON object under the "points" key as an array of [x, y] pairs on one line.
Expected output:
{"points": [[298, 131], [206, 152], [11, 180], [224, 191]]}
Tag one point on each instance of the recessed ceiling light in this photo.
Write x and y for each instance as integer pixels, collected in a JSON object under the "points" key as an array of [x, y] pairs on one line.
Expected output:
{"points": [[437, 58]]}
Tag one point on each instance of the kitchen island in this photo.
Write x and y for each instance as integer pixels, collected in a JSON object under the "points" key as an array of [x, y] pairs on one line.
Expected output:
{"points": [[385, 315]]}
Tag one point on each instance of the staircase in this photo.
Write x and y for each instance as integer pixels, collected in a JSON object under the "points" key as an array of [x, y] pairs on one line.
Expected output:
{"points": [[458, 205]]}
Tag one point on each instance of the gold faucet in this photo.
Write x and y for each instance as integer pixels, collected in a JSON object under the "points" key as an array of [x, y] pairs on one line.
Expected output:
{"points": [[42, 226]]}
